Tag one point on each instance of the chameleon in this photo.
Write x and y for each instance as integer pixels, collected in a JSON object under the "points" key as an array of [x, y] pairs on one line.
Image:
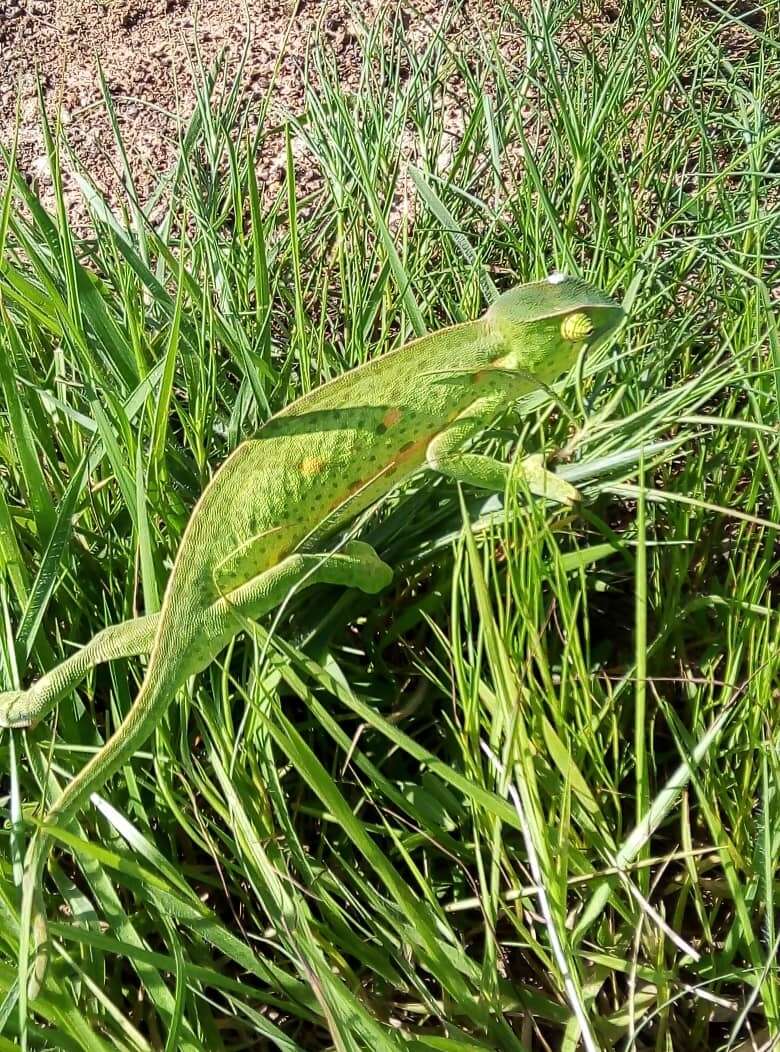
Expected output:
{"points": [[264, 524]]}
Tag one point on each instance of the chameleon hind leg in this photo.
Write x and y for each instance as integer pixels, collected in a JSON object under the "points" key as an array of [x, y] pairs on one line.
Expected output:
{"points": [[356, 565], [23, 708], [445, 455]]}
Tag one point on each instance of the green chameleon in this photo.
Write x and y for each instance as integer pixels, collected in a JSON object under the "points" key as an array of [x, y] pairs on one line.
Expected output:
{"points": [[261, 525]]}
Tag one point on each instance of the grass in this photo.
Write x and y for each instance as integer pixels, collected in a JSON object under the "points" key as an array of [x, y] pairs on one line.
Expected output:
{"points": [[528, 797]]}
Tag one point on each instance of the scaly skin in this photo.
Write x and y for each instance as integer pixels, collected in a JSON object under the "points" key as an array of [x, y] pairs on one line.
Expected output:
{"points": [[256, 532]]}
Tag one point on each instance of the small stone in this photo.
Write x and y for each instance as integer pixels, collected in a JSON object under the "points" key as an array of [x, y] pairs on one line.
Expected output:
{"points": [[39, 167]]}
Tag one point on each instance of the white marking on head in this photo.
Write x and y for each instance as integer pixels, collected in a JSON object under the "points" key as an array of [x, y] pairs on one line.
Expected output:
{"points": [[556, 278]]}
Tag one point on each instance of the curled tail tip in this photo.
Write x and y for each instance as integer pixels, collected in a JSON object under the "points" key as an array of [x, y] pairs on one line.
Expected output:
{"points": [[14, 709]]}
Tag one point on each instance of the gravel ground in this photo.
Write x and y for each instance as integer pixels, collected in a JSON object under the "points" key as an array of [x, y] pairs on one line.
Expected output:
{"points": [[148, 49]]}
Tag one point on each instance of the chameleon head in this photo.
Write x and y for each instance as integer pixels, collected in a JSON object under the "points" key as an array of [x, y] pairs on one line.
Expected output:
{"points": [[543, 326]]}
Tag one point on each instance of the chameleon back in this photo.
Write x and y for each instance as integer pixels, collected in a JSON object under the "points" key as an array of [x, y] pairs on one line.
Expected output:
{"points": [[338, 449]]}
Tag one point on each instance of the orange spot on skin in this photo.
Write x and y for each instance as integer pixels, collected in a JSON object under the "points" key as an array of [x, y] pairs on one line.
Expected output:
{"points": [[311, 466], [355, 487], [392, 416], [411, 449]]}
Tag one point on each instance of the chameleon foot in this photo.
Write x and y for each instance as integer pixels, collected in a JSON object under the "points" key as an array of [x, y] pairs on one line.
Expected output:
{"points": [[544, 483], [371, 573], [15, 709]]}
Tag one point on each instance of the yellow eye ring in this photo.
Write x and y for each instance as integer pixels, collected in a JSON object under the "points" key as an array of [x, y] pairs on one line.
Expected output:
{"points": [[576, 327]]}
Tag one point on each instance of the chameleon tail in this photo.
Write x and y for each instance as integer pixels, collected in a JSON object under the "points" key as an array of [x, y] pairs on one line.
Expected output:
{"points": [[33, 920], [156, 692]]}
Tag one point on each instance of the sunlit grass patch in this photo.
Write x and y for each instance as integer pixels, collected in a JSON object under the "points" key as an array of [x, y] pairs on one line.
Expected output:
{"points": [[527, 797]]}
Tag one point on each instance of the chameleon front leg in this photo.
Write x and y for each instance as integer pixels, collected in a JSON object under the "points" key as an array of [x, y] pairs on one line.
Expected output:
{"points": [[23, 708], [445, 455]]}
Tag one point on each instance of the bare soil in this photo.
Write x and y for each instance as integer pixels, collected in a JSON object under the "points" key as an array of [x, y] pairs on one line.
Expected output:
{"points": [[148, 51]]}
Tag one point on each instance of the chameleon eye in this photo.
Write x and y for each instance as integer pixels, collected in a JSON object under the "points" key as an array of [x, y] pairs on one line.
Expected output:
{"points": [[575, 327]]}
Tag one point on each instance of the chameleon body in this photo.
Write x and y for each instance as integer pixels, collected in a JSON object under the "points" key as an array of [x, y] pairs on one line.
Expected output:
{"points": [[261, 525]]}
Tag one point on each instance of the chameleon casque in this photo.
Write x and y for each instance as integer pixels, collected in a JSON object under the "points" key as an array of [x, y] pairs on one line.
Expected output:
{"points": [[260, 528]]}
